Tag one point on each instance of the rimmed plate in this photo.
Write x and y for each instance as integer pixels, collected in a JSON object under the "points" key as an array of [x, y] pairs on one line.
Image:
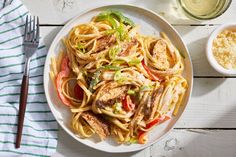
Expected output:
{"points": [[151, 24]]}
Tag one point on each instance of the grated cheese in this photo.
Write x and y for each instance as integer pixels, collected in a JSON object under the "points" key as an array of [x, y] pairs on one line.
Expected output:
{"points": [[224, 49]]}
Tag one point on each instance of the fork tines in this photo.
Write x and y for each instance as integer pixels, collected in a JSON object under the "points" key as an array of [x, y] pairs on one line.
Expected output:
{"points": [[31, 29]]}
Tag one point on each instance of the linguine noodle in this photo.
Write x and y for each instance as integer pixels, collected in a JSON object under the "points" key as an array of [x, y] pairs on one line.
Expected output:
{"points": [[116, 81]]}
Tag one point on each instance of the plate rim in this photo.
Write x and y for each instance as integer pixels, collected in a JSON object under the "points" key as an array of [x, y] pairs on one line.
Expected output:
{"points": [[70, 21]]}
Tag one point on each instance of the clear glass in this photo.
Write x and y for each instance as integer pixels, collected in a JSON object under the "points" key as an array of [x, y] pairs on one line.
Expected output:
{"points": [[204, 9]]}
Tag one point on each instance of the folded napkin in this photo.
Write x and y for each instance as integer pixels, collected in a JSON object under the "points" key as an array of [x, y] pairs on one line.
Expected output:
{"points": [[40, 128]]}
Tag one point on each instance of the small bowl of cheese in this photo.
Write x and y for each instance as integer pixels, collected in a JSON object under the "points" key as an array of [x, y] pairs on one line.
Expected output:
{"points": [[221, 49]]}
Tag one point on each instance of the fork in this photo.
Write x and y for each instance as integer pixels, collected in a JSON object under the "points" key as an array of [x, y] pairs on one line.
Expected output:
{"points": [[30, 45]]}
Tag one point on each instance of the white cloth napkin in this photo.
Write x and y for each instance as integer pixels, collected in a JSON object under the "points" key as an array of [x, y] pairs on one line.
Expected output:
{"points": [[40, 128]]}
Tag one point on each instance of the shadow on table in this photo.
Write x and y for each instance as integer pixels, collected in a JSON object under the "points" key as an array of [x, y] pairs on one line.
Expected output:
{"points": [[180, 143], [51, 35], [209, 142], [203, 86], [168, 9], [184, 30], [202, 69]]}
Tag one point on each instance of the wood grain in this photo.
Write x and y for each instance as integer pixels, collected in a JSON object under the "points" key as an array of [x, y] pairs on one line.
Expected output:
{"points": [[196, 143], [213, 104], [60, 14], [68, 147], [179, 143]]}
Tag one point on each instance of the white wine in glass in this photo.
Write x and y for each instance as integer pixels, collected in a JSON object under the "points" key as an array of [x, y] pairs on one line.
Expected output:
{"points": [[204, 9]]}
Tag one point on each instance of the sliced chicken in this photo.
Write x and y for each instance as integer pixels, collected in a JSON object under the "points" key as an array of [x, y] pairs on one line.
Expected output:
{"points": [[151, 107], [104, 42], [155, 100], [159, 52], [127, 47], [113, 93], [111, 96], [97, 123]]}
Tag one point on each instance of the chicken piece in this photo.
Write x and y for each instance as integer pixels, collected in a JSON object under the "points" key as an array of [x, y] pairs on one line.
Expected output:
{"points": [[104, 42], [150, 109], [113, 93], [126, 48], [97, 123], [155, 100], [110, 96], [159, 52]]}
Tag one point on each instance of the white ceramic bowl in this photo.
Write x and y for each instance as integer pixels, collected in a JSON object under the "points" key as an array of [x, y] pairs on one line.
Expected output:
{"points": [[151, 24], [209, 54]]}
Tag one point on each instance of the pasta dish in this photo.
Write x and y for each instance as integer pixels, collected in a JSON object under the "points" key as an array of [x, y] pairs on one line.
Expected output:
{"points": [[117, 82]]}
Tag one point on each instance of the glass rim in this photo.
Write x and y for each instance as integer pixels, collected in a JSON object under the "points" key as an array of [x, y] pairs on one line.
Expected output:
{"points": [[207, 18]]}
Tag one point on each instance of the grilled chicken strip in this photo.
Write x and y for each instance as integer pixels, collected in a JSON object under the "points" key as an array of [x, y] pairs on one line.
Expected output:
{"points": [[105, 41], [100, 126], [159, 52], [113, 93]]}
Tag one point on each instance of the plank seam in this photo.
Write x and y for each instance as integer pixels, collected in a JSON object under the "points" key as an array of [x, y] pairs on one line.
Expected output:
{"points": [[204, 128], [194, 25]]}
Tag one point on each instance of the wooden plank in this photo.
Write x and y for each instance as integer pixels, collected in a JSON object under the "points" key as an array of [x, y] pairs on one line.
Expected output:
{"points": [[195, 38], [178, 143], [68, 147], [196, 143], [60, 11], [173, 13], [212, 105]]}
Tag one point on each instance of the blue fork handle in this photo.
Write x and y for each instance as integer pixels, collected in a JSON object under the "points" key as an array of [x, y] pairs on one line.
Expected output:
{"points": [[22, 107]]}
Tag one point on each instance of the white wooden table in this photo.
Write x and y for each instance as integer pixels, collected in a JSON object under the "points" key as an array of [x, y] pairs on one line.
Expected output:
{"points": [[208, 126]]}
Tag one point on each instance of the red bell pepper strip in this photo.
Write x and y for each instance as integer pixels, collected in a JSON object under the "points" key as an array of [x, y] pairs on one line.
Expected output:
{"points": [[78, 92], [127, 103], [141, 137], [141, 134], [157, 121], [65, 71], [153, 77]]}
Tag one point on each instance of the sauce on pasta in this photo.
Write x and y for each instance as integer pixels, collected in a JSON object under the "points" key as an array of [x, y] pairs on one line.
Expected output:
{"points": [[116, 81]]}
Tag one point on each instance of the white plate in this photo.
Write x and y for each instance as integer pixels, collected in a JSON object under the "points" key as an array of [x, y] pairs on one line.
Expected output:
{"points": [[151, 24]]}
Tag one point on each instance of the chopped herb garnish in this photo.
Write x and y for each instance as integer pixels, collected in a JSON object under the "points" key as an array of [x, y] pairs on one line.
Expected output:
{"points": [[105, 16], [121, 18], [81, 47], [121, 33], [131, 140], [117, 107], [117, 75], [134, 61], [111, 67], [131, 92], [118, 62], [113, 52], [122, 80], [110, 15], [96, 77], [146, 88]]}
